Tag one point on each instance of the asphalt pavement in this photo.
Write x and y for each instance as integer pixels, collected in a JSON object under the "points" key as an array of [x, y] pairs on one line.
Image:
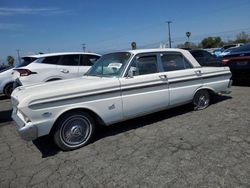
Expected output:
{"points": [[173, 148]]}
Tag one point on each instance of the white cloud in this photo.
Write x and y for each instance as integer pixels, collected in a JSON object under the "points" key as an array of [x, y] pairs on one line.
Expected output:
{"points": [[6, 11]]}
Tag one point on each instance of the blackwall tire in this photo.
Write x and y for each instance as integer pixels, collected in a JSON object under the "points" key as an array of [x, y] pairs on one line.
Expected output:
{"points": [[8, 90]]}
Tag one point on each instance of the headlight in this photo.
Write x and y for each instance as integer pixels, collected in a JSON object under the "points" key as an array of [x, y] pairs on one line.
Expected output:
{"points": [[14, 101], [26, 118]]}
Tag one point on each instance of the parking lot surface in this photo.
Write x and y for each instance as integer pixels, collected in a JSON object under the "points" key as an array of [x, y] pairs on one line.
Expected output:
{"points": [[173, 148]]}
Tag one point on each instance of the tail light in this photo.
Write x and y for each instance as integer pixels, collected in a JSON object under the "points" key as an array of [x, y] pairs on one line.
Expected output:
{"points": [[25, 72], [225, 61]]}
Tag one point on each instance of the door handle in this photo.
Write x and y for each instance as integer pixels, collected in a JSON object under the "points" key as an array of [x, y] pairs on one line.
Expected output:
{"points": [[198, 72], [64, 71], [163, 77]]}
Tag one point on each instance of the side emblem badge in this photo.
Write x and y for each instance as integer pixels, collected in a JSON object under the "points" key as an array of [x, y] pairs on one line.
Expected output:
{"points": [[112, 107]]}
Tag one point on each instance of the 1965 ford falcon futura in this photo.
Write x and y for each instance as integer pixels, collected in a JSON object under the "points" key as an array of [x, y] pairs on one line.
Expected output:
{"points": [[120, 86]]}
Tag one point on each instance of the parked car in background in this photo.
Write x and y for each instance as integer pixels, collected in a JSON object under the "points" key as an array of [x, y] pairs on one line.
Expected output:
{"points": [[6, 75], [218, 51], [239, 62], [227, 51], [3, 67], [119, 86], [55, 66], [205, 58]]}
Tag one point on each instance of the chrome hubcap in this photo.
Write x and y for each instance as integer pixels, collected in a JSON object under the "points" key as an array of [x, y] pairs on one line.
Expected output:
{"points": [[202, 100], [75, 130]]}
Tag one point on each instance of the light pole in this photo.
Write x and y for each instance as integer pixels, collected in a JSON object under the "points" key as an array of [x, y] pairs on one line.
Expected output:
{"points": [[84, 47], [169, 34], [18, 56]]}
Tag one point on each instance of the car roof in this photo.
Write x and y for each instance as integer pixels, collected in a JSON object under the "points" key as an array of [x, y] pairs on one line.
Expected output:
{"points": [[137, 51], [60, 53]]}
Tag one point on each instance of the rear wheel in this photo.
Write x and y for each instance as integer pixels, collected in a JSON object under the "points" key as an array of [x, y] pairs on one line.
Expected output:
{"points": [[201, 100], [8, 89], [74, 130]]}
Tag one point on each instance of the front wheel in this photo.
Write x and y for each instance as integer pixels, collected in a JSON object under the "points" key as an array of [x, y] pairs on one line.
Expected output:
{"points": [[201, 100], [74, 130]]}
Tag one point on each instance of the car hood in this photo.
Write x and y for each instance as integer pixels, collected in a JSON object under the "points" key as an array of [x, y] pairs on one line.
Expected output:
{"points": [[64, 89], [6, 72]]}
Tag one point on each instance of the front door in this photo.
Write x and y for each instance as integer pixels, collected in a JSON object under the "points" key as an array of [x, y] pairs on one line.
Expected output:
{"points": [[147, 90]]}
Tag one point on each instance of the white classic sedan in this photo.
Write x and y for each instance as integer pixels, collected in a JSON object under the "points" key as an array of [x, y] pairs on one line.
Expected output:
{"points": [[120, 86]]}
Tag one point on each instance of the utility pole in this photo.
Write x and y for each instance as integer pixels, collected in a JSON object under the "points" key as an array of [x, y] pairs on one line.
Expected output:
{"points": [[84, 47], [169, 34], [18, 56]]}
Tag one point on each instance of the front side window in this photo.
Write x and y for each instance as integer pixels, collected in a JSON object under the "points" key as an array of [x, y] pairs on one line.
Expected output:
{"points": [[110, 65], [144, 65], [172, 62], [69, 60]]}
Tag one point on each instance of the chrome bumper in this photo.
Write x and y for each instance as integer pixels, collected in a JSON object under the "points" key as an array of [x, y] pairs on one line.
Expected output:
{"points": [[27, 131], [230, 83]]}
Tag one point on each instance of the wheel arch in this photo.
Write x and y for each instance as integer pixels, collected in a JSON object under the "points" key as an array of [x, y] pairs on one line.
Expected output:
{"points": [[97, 119], [7, 83], [210, 90]]}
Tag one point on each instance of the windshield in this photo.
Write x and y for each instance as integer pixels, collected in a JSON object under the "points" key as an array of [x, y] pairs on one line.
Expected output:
{"points": [[110, 65]]}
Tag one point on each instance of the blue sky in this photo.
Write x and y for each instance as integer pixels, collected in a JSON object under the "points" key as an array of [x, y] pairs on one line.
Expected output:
{"points": [[41, 26]]}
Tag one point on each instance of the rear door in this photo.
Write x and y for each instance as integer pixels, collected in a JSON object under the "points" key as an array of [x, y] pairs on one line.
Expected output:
{"points": [[183, 79], [147, 90], [68, 66]]}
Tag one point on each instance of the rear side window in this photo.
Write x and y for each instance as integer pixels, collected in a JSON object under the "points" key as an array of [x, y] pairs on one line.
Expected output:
{"points": [[51, 60], [172, 62], [88, 60], [70, 60]]}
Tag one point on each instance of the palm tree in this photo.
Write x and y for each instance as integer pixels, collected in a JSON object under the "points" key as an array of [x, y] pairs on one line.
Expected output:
{"points": [[10, 60]]}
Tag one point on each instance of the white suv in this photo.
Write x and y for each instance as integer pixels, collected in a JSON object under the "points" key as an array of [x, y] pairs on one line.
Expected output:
{"points": [[55, 66], [6, 75]]}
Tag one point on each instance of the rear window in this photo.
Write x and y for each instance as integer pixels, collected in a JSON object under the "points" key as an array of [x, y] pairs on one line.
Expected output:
{"points": [[26, 61]]}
